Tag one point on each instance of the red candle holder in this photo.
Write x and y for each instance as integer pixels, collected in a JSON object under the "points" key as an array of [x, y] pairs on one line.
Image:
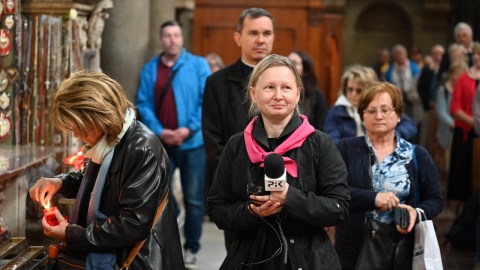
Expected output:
{"points": [[50, 216]]}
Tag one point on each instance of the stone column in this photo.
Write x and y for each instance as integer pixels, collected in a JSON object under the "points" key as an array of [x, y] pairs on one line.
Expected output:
{"points": [[160, 11], [128, 39]]}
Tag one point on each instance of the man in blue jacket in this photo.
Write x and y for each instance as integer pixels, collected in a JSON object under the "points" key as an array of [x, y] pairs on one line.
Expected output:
{"points": [[169, 101]]}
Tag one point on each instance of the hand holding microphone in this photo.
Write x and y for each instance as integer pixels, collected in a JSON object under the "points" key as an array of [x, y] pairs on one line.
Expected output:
{"points": [[269, 198]]}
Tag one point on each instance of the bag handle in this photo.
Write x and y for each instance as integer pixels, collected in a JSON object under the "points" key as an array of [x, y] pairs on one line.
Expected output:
{"points": [[138, 245], [421, 213]]}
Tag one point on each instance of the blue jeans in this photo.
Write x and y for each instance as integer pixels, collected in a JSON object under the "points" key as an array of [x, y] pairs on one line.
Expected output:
{"points": [[191, 164]]}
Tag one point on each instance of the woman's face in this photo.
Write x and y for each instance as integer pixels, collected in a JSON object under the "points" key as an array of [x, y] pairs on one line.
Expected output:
{"points": [[92, 138], [213, 64], [276, 93], [354, 90], [476, 58], [297, 60], [380, 118]]}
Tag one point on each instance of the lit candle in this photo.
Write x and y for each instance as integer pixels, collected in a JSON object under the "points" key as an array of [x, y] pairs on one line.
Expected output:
{"points": [[49, 213]]}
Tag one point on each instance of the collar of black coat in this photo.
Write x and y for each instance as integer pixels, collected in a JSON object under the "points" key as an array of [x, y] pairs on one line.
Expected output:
{"points": [[267, 144], [240, 72]]}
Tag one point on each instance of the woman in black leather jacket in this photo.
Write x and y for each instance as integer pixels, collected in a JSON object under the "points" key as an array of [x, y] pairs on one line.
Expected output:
{"points": [[125, 179]]}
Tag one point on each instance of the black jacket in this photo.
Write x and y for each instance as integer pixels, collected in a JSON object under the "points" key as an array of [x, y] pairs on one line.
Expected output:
{"points": [[318, 198], [138, 179], [224, 110]]}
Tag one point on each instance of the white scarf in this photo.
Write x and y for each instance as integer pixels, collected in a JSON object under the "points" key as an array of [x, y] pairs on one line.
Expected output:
{"points": [[98, 152]]}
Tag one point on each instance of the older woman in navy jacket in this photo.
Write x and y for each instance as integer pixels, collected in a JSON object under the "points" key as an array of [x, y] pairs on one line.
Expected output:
{"points": [[382, 174]]}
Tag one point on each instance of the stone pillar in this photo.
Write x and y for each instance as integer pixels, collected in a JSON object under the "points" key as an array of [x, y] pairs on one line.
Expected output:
{"points": [[128, 39], [160, 11]]}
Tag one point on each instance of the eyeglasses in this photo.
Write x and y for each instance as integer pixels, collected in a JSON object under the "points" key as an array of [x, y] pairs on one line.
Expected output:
{"points": [[357, 91], [385, 111]]}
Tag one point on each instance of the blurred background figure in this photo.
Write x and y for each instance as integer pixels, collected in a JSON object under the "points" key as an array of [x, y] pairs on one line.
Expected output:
{"points": [[455, 53], [215, 61], [313, 100], [416, 55], [427, 92], [169, 100], [445, 120], [403, 73], [383, 63], [464, 38], [343, 120], [460, 175]]}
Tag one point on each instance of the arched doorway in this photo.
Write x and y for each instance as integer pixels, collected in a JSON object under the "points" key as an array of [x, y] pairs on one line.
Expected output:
{"points": [[380, 25]]}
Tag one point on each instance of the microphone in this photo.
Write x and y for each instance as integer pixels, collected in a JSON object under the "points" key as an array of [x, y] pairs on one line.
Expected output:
{"points": [[275, 173]]}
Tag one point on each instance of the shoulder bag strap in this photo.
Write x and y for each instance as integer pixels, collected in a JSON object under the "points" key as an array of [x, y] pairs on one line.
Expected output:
{"points": [[138, 245], [166, 87]]}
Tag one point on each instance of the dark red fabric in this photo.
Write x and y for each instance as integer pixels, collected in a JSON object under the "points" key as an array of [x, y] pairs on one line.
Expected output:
{"points": [[167, 111]]}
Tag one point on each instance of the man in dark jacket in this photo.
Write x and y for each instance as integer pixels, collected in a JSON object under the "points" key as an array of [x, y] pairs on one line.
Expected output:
{"points": [[224, 111]]}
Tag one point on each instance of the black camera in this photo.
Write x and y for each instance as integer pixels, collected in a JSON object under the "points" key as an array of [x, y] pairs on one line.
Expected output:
{"points": [[402, 217], [256, 190]]}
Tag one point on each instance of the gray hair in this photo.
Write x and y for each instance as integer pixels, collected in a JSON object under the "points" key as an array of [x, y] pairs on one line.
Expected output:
{"points": [[462, 25]]}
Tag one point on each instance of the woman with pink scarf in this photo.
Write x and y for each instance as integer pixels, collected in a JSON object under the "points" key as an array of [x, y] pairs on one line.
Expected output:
{"points": [[282, 229]]}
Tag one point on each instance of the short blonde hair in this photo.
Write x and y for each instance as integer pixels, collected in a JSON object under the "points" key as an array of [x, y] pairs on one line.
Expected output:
{"points": [[91, 100], [476, 47], [375, 88], [362, 74], [273, 60]]}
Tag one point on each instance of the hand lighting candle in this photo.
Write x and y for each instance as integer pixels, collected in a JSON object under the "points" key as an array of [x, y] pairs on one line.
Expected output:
{"points": [[49, 213]]}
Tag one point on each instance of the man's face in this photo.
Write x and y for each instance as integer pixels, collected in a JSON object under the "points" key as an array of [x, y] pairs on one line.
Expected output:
{"points": [[384, 57], [437, 54], [400, 56], [256, 39], [463, 37], [172, 40]]}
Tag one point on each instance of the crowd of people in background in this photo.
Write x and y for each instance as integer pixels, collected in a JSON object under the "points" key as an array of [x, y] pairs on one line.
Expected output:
{"points": [[345, 165]]}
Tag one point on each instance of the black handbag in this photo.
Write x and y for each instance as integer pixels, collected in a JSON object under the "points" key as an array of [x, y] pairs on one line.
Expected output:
{"points": [[66, 261], [385, 248]]}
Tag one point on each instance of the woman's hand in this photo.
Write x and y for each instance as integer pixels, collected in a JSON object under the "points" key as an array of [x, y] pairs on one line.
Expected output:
{"points": [[267, 205], [386, 200], [57, 231], [413, 217], [44, 189]]}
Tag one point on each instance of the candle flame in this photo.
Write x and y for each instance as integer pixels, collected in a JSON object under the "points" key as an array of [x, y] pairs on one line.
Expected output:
{"points": [[47, 206]]}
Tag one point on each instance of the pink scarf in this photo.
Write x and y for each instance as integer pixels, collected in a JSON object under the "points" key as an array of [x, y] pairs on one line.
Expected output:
{"points": [[295, 140]]}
